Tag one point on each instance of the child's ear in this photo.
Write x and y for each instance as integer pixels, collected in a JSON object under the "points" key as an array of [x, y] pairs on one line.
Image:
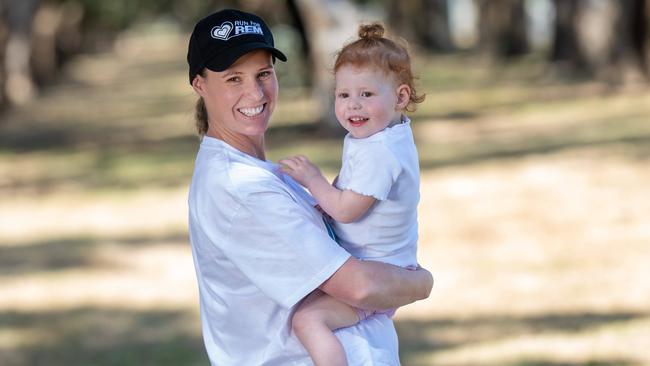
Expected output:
{"points": [[403, 97]]}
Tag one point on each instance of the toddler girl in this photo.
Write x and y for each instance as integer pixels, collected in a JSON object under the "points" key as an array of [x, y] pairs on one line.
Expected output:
{"points": [[374, 198]]}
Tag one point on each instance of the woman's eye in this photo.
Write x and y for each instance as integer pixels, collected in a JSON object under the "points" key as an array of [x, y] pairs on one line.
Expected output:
{"points": [[233, 79], [264, 74]]}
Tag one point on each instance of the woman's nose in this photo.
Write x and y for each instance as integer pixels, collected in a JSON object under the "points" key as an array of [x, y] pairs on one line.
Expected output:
{"points": [[255, 90]]}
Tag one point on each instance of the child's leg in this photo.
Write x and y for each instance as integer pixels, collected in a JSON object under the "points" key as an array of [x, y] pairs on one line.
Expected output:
{"points": [[314, 321]]}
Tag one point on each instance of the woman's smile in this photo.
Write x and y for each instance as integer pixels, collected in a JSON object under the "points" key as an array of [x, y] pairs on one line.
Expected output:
{"points": [[252, 111]]}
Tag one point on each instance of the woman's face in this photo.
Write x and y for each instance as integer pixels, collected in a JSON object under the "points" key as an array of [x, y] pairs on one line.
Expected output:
{"points": [[241, 99]]}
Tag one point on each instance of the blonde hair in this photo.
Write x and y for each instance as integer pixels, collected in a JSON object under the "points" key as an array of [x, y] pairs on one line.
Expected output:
{"points": [[201, 117], [201, 114], [374, 50]]}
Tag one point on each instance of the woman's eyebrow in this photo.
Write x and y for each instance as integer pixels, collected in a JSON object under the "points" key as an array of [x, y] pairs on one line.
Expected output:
{"points": [[228, 74]]}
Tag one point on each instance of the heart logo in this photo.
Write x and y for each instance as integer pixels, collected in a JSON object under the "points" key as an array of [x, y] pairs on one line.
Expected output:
{"points": [[222, 31]]}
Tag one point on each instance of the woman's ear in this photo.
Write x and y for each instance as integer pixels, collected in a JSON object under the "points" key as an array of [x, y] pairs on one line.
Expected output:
{"points": [[198, 84], [403, 97]]}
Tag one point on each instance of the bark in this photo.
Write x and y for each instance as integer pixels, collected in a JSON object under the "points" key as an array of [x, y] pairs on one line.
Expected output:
{"points": [[423, 22], [565, 43], [19, 85], [4, 34], [640, 30], [646, 41], [502, 27], [327, 26], [605, 39]]}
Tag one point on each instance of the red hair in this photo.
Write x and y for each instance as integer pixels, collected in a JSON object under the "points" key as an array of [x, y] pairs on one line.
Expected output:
{"points": [[372, 49]]}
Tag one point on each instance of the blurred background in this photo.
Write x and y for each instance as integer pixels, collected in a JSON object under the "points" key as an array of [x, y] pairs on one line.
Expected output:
{"points": [[534, 142]]}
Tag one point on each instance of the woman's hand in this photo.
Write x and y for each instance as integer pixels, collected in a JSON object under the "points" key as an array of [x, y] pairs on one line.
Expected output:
{"points": [[301, 169]]}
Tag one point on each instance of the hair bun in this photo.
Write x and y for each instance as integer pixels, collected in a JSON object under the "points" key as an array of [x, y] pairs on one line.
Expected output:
{"points": [[374, 30]]}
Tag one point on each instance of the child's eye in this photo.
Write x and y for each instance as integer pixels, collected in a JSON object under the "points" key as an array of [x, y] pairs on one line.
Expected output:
{"points": [[366, 94], [342, 95]]}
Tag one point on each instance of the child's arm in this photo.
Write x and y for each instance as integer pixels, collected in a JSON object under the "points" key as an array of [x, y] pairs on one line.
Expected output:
{"points": [[342, 205]]}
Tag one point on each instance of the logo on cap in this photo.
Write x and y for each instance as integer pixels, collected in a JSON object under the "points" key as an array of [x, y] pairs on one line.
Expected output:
{"points": [[225, 31]]}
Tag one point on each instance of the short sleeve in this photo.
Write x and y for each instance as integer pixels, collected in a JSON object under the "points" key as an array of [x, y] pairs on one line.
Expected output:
{"points": [[370, 170], [279, 246]]}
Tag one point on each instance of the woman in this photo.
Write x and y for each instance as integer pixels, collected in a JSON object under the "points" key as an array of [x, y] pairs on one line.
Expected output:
{"points": [[259, 244]]}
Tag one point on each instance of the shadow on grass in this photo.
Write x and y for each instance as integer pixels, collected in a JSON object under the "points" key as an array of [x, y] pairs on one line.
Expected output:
{"points": [[103, 337], [110, 336], [96, 134], [534, 362], [420, 338], [117, 158], [68, 253], [490, 152], [143, 164], [93, 136], [542, 362]]}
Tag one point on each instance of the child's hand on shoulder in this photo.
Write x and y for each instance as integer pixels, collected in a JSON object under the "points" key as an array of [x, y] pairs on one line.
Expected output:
{"points": [[300, 169]]}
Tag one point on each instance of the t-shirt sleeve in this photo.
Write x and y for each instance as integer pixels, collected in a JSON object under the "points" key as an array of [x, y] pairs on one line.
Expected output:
{"points": [[282, 250], [371, 171]]}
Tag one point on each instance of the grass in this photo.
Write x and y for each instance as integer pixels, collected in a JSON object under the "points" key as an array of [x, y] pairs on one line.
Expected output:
{"points": [[533, 216]]}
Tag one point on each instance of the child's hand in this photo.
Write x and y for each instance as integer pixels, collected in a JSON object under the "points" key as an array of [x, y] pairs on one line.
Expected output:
{"points": [[301, 169]]}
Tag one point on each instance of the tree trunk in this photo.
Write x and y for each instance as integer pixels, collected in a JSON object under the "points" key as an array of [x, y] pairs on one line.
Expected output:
{"points": [[328, 25], [502, 27], [565, 44], [4, 33], [605, 39], [640, 29], [19, 85], [423, 22], [646, 42]]}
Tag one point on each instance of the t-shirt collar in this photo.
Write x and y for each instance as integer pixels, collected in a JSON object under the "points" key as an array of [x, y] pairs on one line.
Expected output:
{"points": [[209, 141]]}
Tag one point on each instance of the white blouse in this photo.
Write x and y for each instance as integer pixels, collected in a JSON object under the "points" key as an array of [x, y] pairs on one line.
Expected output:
{"points": [[385, 166]]}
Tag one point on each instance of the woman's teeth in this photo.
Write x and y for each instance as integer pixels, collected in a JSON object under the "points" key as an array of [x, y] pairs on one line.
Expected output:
{"points": [[251, 112]]}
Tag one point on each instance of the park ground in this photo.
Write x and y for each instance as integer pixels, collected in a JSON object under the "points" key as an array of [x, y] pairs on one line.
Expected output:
{"points": [[534, 215]]}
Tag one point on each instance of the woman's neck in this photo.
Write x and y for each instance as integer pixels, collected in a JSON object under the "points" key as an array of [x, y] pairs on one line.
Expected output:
{"points": [[250, 145]]}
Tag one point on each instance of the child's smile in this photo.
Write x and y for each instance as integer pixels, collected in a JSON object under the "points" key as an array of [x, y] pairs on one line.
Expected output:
{"points": [[366, 100]]}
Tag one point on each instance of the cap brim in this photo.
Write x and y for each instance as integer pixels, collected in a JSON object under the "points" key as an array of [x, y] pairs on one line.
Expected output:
{"points": [[223, 62]]}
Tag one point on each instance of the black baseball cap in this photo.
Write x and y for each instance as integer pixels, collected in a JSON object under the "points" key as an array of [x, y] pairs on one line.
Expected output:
{"points": [[219, 39]]}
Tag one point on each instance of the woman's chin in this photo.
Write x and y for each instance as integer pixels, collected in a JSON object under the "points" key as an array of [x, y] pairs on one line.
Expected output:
{"points": [[257, 130]]}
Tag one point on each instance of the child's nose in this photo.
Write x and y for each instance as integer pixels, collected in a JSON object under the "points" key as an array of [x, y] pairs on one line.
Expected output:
{"points": [[354, 104]]}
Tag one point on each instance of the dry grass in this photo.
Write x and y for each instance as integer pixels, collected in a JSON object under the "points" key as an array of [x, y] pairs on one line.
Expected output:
{"points": [[534, 217]]}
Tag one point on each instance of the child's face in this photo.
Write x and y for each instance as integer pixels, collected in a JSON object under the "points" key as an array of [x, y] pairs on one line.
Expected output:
{"points": [[366, 100]]}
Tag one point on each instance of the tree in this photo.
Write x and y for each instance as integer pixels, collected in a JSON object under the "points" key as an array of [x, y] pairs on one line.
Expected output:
{"points": [[565, 51], [424, 22], [502, 28], [327, 25], [18, 84], [606, 39]]}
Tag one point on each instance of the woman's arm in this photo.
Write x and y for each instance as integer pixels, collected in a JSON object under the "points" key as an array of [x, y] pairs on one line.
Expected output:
{"points": [[342, 205], [377, 285]]}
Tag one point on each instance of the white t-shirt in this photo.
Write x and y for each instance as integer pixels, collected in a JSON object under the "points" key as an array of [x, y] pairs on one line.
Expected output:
{"points": [[385, 166], [259, 247]]}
